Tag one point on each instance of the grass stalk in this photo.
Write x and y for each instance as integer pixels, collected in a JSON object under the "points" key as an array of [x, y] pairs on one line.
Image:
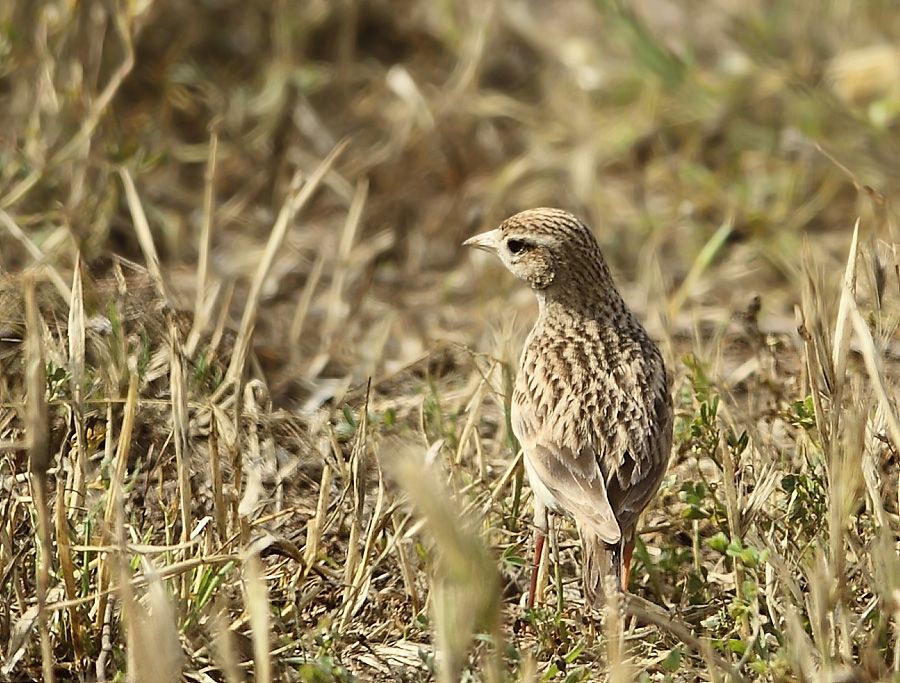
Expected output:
{"points": [[37, 428]]}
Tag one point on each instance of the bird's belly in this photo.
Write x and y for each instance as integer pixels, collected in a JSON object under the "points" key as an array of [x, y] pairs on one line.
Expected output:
{"points": [[541, 493]]}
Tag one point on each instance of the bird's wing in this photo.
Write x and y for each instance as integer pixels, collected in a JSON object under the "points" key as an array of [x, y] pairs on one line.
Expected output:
{"points": [[599, 444], [634, 483], [578, 487]]}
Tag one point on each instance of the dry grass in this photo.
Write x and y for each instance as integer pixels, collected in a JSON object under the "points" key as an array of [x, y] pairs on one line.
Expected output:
{"points": [[254, 398]]}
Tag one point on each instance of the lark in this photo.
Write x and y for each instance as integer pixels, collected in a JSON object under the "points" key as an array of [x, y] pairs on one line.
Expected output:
{"points": [[591, 406]]}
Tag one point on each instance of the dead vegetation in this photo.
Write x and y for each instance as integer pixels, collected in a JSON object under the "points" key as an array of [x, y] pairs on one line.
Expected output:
{"points": [[254, 396]]}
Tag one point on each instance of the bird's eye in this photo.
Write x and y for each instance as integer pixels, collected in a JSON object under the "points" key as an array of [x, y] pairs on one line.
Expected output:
{"points": [[517, 246]]}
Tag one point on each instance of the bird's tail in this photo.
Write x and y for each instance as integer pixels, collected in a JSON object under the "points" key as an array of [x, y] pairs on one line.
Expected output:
{"points": [[601, 567]]}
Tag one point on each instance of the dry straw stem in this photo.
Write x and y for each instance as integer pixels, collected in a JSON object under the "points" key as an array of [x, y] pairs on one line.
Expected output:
{"points": [[215, 472], [841, 349], [359, 456], [36, 254], [465, 587], [76, 336], [168, 571], [316, 526], [407, 568], [180, 428], [336, 306], [811, 324], [101, 103], [647, 612], [620, 670], [154, 648], [303, 303], [144, 235], [469, 432], [844, 488], [256, 602], [876, 375], [845, 467], [223, 644], [37, 429], [201, 310], [362, 577], [117, 478], [296, 200], [67, 568]]}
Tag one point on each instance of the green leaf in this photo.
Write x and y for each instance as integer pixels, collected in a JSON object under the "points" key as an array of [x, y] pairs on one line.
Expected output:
{"points": [[673, 660], [737, 646], [348, 415], [719, 542]]}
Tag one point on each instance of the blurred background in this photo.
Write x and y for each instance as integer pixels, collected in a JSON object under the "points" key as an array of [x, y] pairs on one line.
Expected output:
{"points": [[717, 136]]}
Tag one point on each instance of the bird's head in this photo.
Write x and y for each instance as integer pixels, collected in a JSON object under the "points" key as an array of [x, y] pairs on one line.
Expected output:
{"points": [[545, 248]]}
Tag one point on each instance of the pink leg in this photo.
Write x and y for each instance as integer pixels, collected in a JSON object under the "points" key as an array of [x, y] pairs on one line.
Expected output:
{"points": [[540, 534], [626, 564]]}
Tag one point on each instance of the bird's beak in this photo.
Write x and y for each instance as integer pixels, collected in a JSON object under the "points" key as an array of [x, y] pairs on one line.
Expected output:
{"points": [[489, 241]]}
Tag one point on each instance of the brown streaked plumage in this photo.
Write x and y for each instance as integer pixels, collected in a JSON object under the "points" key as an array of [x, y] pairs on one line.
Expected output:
{"points": [[591, 406]]}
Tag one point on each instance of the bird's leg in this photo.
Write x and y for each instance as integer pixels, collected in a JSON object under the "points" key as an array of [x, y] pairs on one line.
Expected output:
{"points": [[627, 551], [540, 533]]}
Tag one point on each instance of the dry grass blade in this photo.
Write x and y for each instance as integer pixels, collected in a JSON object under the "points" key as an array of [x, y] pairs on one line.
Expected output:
{"points": [[154, 648], [123, 448], [465, 591], [180, 429], [407, 569], [292, 205], [35, 253], [37, 428], [117, 477], [841, 327], [201, 311], [336, 305], [876, 375], [67, 569], [105, 97], [76, 335], [620, 670], [316, 526], [215, 472], [36, 425], [257, 603], [140, 581], [144, 235], [800, 648], [224, 646], [362, 577], [359, 457], [818, 362], [469, 432], [303, 303]]}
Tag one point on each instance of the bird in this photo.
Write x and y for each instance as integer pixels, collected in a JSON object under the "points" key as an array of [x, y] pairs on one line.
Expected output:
{"points": [[591, 406]]}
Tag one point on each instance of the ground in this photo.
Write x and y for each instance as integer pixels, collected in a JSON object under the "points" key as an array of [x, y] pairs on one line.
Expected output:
{"points": [[254, 395]]}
